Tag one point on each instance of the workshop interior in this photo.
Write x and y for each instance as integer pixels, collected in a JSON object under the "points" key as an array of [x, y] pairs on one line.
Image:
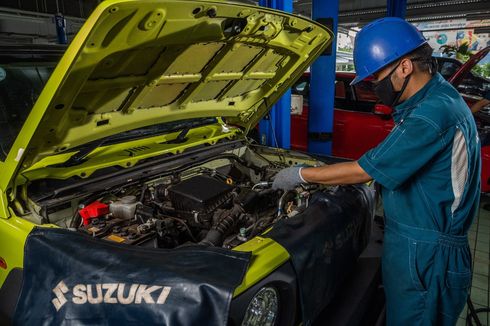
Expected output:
{"points": [[170, 162]]}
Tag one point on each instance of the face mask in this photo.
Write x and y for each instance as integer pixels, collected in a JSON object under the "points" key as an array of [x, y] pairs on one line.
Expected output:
{"points": [[384, 90]]}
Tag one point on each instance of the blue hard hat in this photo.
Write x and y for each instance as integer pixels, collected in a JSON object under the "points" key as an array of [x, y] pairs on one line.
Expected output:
{"points": [[382, 42]]}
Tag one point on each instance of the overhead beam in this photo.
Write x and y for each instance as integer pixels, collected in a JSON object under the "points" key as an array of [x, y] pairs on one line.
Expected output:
{"points": [[443, 10], [349, 13]]}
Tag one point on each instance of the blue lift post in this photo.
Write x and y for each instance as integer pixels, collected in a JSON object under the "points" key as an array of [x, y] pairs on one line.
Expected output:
{"points": [[396, 8], [322, 83], [280, 115]]}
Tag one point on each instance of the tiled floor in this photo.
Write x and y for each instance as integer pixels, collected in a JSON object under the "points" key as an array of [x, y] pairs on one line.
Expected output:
{"points": [[479, 238]]}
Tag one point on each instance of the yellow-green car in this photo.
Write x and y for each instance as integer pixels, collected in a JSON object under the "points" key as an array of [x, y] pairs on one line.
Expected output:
{"points": [[134, 140]]}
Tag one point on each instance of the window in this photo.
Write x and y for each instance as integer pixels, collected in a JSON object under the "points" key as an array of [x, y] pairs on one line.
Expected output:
{"points": [[365, 92], [343, 95], [340, 89], [360, 97], [20, 86], [302, 87], [447, 67]]}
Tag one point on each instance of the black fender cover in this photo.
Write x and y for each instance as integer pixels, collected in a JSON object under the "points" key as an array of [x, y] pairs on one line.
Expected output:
{"points": [[73, 279], [324, 242]]}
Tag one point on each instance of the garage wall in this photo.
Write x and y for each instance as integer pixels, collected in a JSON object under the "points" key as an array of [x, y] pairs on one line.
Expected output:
{"points": [[28, 27], [32, 21], [75, 8]]}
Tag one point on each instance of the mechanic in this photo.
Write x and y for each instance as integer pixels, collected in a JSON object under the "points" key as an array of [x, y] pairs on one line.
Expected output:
{"points": [[429, 171]]}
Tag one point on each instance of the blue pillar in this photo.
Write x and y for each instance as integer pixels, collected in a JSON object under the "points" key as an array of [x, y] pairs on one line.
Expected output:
{"points": [[280, 115], [322, 83], [396, 8]]}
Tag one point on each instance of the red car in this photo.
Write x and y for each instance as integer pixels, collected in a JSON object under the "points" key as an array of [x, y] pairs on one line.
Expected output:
{"points": [[360, 123]]}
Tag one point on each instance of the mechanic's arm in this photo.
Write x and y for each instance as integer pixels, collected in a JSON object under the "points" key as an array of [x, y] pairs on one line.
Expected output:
{"points": [[336, 174], [399, 157], [481, 103]]}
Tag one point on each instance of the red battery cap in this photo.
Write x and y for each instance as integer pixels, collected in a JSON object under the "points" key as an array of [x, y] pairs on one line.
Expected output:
{"points": [[93, 210]]}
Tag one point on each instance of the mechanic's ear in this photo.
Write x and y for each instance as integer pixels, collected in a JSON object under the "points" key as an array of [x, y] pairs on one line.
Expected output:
{"points": [[406, 67]]}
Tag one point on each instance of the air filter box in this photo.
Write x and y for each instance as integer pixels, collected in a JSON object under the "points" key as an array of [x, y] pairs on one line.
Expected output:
{"points": [[200, 194]]}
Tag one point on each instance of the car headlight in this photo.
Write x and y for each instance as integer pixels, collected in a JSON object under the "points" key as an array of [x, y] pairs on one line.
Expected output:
{"points": [[263, 308]]}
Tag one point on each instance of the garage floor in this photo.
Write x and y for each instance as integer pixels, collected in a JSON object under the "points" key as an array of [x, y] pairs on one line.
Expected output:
{"points": [[479, 238]]}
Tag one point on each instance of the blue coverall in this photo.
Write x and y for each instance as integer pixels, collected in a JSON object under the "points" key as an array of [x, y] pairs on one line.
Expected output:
{"points": [[429, 170]]}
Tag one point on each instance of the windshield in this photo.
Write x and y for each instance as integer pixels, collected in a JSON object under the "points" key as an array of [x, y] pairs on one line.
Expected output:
{"points": [[482, 68], [20, 86], [477, 81]]}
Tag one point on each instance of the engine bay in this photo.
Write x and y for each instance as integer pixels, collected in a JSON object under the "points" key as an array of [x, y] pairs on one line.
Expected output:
{"points": [[221, 200]]}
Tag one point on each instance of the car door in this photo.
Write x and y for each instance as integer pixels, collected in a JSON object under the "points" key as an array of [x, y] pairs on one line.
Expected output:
{"points": [[357, 128]]}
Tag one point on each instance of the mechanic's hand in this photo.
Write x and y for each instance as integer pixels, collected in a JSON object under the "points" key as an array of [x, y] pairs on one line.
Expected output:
{"points": [[288, 178]]}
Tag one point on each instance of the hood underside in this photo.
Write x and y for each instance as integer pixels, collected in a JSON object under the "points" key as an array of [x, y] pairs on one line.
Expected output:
{"points": [[139, 63], [147, 62]]}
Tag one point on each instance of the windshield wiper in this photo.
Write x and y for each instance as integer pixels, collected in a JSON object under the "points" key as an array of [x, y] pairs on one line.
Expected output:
{"points": [[80, 156], [184, 126], [181, 137]]}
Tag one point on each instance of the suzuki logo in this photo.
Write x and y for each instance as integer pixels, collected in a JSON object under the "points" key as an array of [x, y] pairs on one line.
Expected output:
{"points": [[111, 293], [60, 299]]}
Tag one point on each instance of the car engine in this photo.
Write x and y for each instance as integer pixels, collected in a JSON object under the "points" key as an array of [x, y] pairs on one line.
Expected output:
{"points": [[223, 203]]}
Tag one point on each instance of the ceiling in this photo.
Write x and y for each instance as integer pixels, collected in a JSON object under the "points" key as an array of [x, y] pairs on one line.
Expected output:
{"points": [[351, 12]]}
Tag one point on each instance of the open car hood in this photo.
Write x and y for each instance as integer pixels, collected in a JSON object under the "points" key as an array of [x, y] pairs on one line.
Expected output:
{"points": [[461, 73], [137, 63]]}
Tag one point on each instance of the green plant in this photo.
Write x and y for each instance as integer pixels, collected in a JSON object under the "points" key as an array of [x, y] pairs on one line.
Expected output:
{"points": [[461, 52], [346, 49]]}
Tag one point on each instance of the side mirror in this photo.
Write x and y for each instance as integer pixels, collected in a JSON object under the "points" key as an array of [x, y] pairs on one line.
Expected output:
{"points": [[381, 109]]}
